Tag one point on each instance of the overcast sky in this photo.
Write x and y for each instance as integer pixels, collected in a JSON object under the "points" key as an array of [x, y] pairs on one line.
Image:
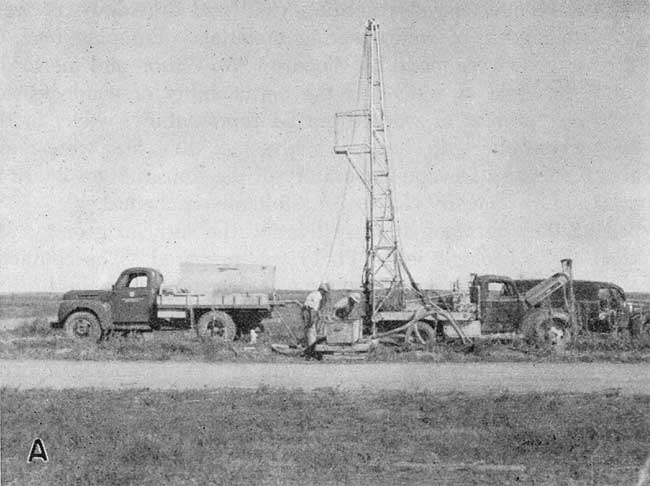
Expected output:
{"points": [[140, 133]]}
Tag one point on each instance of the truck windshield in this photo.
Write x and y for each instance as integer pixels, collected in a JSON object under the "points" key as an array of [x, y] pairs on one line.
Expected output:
{"points": [[138, 282], [499, 289], [133, 281]]}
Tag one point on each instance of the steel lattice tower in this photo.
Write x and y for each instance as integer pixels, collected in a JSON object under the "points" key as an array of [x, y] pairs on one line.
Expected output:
{"points": [[366, 148]]}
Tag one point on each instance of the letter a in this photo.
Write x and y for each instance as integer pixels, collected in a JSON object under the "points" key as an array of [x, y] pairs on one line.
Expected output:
{"points": [[38, 450]]}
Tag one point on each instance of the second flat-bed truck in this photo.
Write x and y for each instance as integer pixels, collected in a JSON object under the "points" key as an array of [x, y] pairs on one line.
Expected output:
{"points": [[219, 301]]}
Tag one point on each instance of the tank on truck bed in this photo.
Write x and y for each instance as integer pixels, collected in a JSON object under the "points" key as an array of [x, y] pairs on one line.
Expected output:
{"points": [[223, 284], [221, 301]]}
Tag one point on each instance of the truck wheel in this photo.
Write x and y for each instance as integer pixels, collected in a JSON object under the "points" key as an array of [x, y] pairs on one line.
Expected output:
{"points": [[425, 331], [639, 326], [547, 332], [644, 328], [83, 325], [215, 324]]}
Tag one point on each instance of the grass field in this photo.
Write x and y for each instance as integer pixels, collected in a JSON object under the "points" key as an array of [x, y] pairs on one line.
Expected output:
{"points": [[264, 436], [29, 304], [34, 339]]}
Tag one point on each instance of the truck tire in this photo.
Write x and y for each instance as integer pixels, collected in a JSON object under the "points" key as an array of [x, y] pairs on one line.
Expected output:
{"points": [[639, 326], [544, 331], [216, 325], [83, 325], [427, 333]]}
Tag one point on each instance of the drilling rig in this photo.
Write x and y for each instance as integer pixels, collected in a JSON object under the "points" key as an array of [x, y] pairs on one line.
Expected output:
{"points": [[366, 150], [395, 306], [362, 138]]}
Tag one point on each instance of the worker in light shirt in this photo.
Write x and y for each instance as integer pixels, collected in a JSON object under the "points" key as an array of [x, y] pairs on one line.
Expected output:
{"points": [[311, 312]]}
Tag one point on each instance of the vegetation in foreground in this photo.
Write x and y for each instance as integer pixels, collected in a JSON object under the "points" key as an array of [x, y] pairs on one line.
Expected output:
{"points": [[239, 437], [31, 337], [35, 339]]}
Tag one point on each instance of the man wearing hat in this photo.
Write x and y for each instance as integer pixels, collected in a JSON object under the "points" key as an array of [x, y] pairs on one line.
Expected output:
{"points": [[311, 311], [344, 307]]}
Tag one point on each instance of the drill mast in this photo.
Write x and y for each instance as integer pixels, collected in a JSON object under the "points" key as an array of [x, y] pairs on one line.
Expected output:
{"points": [[365, 146]]}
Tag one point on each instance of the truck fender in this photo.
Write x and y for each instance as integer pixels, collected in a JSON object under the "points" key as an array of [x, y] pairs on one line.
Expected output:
{"points": [[102, 310], [534, 327], [538, 314], [559, 315]]}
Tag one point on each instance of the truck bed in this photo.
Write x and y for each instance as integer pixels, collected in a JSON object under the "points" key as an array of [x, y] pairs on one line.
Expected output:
{"points": [[214, 301]]}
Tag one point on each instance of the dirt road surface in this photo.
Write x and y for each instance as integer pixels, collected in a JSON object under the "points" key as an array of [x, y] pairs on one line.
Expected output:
{"points": [[474, 378]]}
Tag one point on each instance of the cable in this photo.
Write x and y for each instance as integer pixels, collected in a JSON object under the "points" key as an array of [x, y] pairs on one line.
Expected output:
{"points": [[360, 85], [325, 274]]}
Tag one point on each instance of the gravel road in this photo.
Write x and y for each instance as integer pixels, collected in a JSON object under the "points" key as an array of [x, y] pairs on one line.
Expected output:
{"points": [[477, 378]]}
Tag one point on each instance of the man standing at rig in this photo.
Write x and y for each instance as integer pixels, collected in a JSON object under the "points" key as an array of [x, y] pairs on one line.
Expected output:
{"points": [[311, 312]]}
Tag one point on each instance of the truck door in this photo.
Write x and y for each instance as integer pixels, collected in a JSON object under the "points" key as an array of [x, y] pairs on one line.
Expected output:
{"points": [[500, 307], [133, 297]]}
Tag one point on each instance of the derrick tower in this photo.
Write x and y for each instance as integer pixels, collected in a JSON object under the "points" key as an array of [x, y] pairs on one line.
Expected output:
{"points": [[362, 137]]}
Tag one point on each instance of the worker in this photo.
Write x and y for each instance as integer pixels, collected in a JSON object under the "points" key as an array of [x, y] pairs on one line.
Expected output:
{"points": [[311, 312], [344, 307]]}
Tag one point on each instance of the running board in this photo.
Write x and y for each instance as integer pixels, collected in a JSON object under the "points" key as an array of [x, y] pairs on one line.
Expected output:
{"points": [[132, 327]]}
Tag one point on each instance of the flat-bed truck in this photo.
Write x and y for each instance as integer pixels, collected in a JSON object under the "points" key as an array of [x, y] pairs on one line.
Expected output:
{"points": [[220, 301]]}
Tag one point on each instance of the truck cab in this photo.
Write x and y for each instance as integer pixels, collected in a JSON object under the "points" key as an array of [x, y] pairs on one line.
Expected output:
{"points": [[130, 305], [497, 302], [134, 295]]}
